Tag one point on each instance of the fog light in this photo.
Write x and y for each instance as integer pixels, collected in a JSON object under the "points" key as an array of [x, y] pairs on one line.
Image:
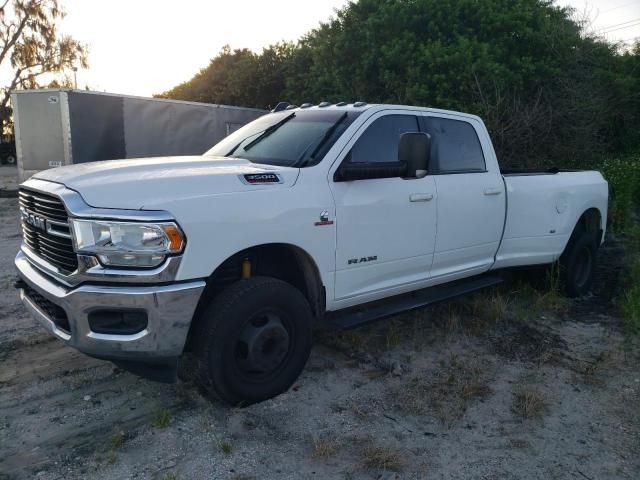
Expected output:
{"points": [[118, 322]]}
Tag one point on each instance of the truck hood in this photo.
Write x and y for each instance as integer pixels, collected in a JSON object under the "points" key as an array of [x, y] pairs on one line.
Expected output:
{"points": [[132, 184]]}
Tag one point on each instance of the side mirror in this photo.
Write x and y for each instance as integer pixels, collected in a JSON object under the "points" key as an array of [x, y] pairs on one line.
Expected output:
{"points": [[414, 151], [367, 171]]}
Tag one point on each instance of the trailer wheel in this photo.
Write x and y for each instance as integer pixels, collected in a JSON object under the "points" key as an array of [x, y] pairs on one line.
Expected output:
{"points": [[577, 265], [253, 340], [10, 160]]}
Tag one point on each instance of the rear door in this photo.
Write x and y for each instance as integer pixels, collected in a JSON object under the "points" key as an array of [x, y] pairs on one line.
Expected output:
{"points": [[471, 202]]}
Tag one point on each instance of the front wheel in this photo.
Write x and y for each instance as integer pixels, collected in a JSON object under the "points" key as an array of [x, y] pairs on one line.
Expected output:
{"points": [[253, 340], [577, 265]]}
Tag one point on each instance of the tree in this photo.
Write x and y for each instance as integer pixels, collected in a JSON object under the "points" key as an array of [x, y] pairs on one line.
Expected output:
{"points": [[549, 93], [31, 46], [239, 77]]}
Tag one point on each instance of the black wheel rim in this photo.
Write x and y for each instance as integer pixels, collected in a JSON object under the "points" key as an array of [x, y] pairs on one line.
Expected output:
{"points": [[263, 345], [584, 264]]}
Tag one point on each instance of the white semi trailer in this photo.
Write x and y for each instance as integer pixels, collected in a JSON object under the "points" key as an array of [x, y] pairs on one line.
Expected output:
{"points": [[55, 127]]}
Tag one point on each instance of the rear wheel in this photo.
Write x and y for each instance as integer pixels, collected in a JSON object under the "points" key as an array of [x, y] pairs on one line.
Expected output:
{"points": [[253, 340], [577, 264]]}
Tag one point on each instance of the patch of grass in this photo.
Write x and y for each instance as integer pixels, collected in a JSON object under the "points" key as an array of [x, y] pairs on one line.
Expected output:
{"points": [[453, 321], [623, 176], [377, 457], [552, 301], [552, 298], [375, 373], [592, 371], [117, 439], [225, 447], [633, 234], [630, 308], [529, 403], [392, 337], [161, 418], [111, 457], [360, 409], [347, 340], [115, 442], [170, 476], [447, 395], [630, 299], [324, 448], [489, 309]]}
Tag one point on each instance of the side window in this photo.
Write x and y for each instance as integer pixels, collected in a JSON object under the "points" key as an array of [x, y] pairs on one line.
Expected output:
{"points": [[455, 146], [379, 142]]}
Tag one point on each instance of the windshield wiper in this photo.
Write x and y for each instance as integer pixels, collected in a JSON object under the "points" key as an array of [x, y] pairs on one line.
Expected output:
{"points": [[268, 131], [323, 140]]}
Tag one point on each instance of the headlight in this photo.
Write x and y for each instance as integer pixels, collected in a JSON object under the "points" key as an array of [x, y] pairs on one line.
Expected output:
{"points": [[127, 244]]}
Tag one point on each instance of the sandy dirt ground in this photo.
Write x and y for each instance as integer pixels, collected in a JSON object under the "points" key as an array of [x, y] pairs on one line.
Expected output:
{"points": [[8, 180], [506, 384]]}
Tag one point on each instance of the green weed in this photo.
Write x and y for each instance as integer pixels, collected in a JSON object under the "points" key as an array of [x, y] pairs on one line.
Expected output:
{"points": [[630, 302], [623, 176], [161, 418]]}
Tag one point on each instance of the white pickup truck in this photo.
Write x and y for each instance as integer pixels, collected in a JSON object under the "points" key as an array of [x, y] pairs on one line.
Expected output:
{"points": [[344, 213]]}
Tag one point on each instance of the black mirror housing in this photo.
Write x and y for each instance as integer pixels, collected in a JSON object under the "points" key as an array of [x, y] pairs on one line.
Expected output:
{"points": [[368, 171], [414, 151]]}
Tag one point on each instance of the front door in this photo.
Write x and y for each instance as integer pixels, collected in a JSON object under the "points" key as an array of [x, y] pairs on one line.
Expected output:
{"points": [[386, 227]]}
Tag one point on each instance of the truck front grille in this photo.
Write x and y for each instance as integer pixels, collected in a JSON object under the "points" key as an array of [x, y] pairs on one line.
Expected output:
{"points": [[45, 229]]}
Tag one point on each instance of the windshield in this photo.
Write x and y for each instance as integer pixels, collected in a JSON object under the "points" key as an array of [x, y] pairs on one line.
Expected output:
{"points": [[289, 138]]}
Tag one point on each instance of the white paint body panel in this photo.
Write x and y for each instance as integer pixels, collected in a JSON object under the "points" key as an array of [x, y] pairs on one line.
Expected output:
{"points": [[456, 234], [542, 212]]}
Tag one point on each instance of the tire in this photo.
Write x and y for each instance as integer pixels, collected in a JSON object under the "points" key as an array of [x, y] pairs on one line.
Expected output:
{"points": [[10, 160], [253, 340], [577, 265]]}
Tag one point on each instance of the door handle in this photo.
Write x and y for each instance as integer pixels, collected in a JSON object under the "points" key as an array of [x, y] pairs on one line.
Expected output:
{"points": [[492, 191], [421, 197]]}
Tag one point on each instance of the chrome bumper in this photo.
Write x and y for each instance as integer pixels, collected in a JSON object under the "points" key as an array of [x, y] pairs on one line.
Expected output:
{"points": [[169, 308]]}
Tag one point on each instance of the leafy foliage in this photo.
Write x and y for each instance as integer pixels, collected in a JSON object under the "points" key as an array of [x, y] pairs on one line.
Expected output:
{"points": [[630, 298], [623, 175], [548, 92], [31, 46]]}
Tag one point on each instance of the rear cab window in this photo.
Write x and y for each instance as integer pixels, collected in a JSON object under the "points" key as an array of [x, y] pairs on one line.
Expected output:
{"points": [[455, 147]]}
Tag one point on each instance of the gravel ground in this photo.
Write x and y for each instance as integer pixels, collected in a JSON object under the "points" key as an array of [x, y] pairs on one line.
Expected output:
{"points": [[506, 384]]}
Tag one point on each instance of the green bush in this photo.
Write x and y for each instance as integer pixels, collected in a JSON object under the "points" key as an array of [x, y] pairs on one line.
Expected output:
{"points": [[630, 302], [550, 91], [623, 175]]}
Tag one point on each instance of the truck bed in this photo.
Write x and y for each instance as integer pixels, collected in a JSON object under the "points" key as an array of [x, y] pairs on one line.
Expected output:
{"points": [[542, 210], [512, 172]]}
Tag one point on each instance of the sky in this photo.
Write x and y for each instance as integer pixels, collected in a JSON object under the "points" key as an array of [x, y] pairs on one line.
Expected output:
{"points": [[142, 47]]}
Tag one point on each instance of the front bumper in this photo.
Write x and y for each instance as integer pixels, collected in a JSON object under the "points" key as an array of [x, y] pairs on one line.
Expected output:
{"points": [[169, 309]]}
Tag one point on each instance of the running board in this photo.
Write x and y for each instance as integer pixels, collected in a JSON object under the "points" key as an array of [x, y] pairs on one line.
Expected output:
{"points": [[356, 316]]}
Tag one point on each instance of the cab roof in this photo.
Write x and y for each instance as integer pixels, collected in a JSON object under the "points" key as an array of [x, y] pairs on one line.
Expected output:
{"points": [[375, 107]]}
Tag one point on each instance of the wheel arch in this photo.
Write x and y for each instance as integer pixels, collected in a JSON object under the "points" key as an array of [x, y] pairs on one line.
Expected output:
{"points": [[284, 261], [589, 221]]}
